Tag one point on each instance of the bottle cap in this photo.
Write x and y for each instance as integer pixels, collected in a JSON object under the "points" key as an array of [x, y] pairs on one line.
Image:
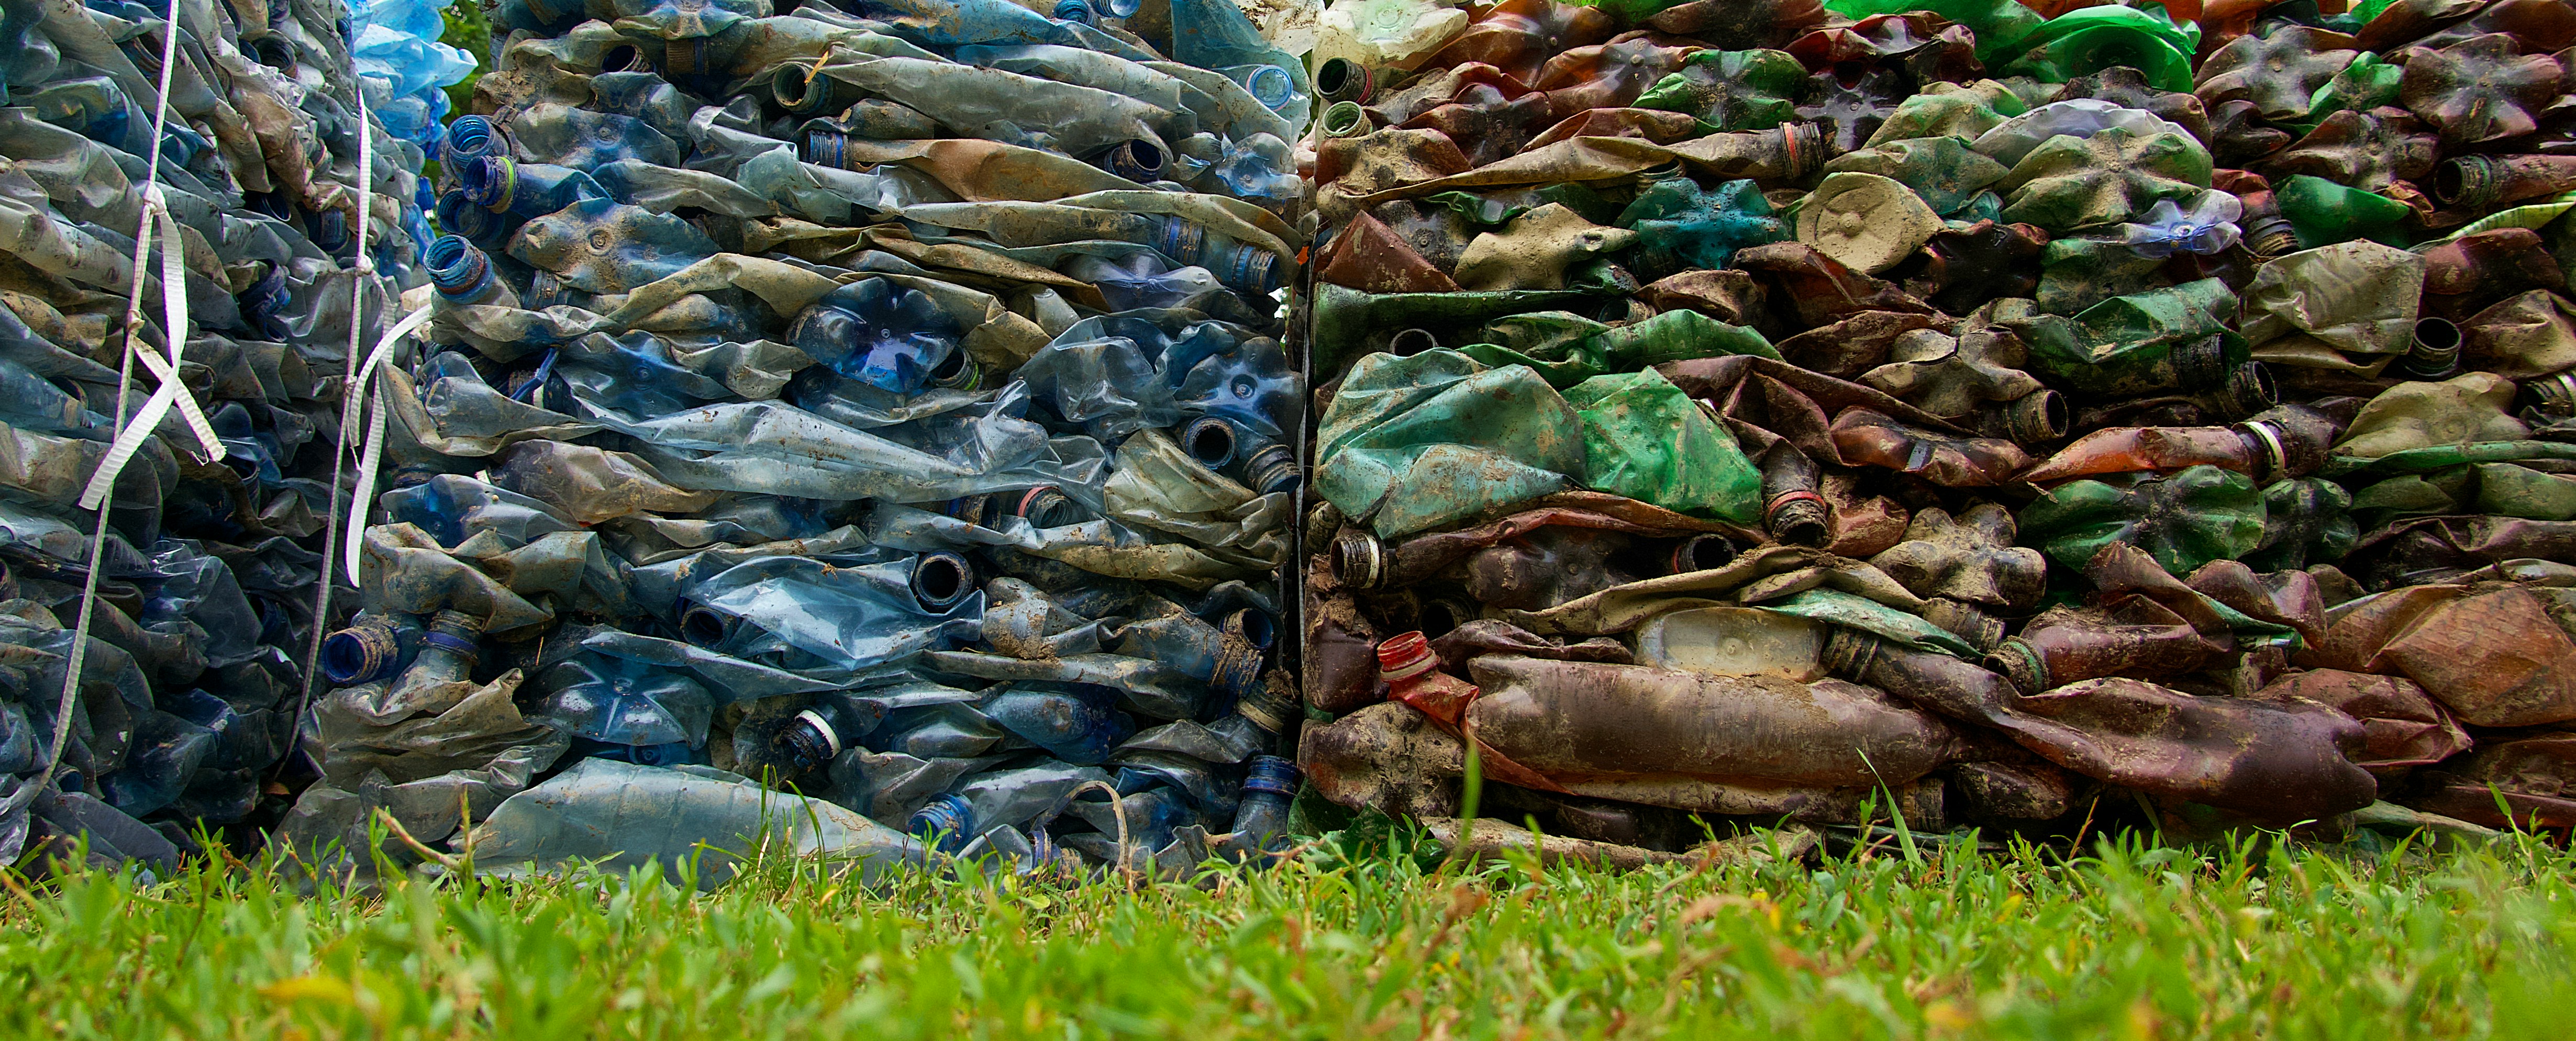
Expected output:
{"points": [[941, 580], [1404, 656], [1359, 559], [812, 738], [361, 654], [1270, 773]]}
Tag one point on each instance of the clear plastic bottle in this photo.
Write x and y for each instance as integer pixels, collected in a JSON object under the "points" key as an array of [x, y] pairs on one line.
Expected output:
{"points": [[998, 799], [448, 653], [372, 648], [1734, 641], [1261, 819]]}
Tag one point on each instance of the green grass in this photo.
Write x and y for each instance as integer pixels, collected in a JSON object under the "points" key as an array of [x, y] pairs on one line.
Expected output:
{"points": [[2259, 939]]}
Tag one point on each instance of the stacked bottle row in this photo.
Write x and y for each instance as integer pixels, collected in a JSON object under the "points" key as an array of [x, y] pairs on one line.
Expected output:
{"points": [[155, 696], [2017, 414], [868, 429]]}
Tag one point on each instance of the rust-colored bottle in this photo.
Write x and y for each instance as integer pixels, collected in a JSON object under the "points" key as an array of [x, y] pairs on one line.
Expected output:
{"points": [[2479, 182], [1792, 510], [2284, 442], [1411, 671], [1519, 36], [1871, 439], [2069, 645]]}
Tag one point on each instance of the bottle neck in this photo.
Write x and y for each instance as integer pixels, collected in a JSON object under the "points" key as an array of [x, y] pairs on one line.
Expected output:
{"points": [[439, 665]]}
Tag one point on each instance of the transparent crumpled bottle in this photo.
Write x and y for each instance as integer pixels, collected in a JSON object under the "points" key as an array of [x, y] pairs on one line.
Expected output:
{"points": [[373, 647], [1007, 798], [1261, 819], [448, 653]]}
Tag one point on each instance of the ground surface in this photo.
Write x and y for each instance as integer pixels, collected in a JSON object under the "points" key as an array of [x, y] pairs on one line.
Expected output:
{"points": [[2131, 941]]}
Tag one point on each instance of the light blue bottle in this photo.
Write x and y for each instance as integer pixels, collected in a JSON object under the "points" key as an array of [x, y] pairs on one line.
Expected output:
{"points": [[849, 617], [1249, 383], [1080, 725], [464, 275], [998, 799], [891, 338], [1261, 820], [620, 701]]}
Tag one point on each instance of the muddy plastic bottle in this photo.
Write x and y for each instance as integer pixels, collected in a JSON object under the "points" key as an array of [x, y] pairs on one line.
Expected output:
{"points": [[372, 649], [891, 338], [464, 275], [808, 613], [2065, 647], [1870, 439], [997, 799], [1073, 724], [1260, 716], [520, 192], [1734, 641], [2285, 442], [448, 653], [1228, 658], [1261, 819], [1256, 461], [1411, 671], [1792, 510]]}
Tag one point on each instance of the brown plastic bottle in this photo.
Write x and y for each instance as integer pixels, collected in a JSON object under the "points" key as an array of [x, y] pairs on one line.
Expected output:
{"points": [[2284, 442], [1519, 36], [1792, 510], [1869, 438], [2069, 645]]}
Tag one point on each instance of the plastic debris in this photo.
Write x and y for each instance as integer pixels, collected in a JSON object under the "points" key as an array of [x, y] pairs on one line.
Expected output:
{"points": [[205, 224], [862, 433], [2017, 416]]}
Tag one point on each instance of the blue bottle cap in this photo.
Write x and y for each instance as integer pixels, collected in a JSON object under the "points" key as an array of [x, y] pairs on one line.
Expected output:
{"points": [[945, 815], [941, 580], [360, 654], [1270, 773]]}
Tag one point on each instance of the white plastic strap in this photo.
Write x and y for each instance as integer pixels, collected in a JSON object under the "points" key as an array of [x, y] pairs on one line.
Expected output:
{"points": [[374, 453], [174, 326]]}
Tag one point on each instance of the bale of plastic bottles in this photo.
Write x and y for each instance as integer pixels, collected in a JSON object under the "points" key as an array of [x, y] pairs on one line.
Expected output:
{"points": [[2030, 416], [864, 429], [168, 473]]}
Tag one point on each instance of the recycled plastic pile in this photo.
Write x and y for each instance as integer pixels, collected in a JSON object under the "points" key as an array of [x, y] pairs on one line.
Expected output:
{"points": [[183, 691], [863, 430], [2017, 415]]}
